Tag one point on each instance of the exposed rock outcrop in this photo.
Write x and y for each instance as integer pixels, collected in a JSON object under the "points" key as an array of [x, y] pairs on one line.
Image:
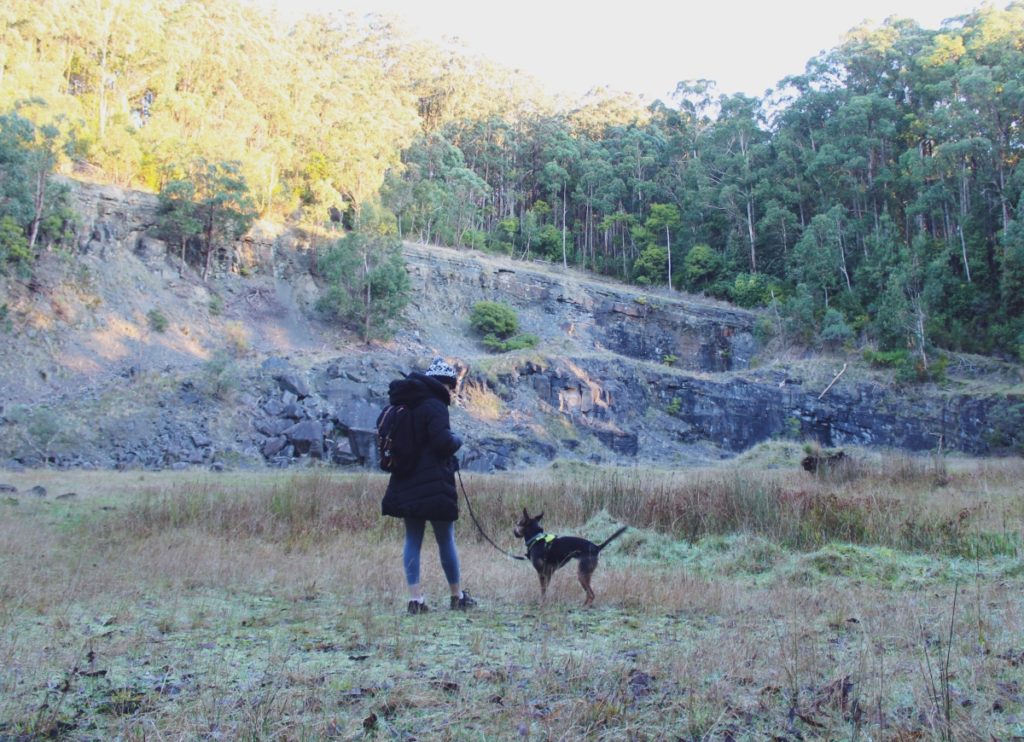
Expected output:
{"points": [[620, 375]]}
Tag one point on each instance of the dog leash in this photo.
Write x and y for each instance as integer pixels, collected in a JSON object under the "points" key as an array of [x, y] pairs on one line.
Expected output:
{"points": [[479, 527]]}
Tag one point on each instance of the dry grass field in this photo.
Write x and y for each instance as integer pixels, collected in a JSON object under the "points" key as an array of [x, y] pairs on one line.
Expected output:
{"points": [[878, 601]]}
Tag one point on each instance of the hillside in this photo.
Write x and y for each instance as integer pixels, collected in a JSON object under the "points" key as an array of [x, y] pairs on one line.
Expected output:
{"points": [[116, 356]]}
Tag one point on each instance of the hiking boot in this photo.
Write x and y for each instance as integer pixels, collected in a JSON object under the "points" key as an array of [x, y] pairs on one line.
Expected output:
{"points": [[416, 606], [462, 603]]}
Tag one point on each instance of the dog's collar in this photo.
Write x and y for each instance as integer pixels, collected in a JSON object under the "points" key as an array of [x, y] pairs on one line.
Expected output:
{"points": [[547, 538]]}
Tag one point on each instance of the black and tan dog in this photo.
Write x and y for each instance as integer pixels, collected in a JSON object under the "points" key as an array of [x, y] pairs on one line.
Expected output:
{"points": [[548, 553]]}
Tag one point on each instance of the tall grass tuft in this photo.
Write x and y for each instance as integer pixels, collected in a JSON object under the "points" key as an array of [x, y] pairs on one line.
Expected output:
{"points": [[303, 508]]}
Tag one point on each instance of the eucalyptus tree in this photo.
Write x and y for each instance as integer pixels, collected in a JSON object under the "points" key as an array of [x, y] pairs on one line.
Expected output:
{"points": [[597, 193], [367, 285], [664, 219], [31, 202], [116, 47], [554, 161], [210, 205], [355, 121], [819, 258]]}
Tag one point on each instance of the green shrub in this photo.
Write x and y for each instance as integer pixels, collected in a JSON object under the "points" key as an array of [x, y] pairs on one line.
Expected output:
{"points": [[497, 323], [221, 377], [764, 329], [909, 368], [701, 267], [494, 318], [366, 283], [751, 290], [834, 330], [517, 342], [157, 321], [13, 246]]}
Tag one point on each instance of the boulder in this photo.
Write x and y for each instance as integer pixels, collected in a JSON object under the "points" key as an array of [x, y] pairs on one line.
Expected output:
{"points": [[307, 437], [273, 446], [272, 426], [357, 414], [293, 383]]}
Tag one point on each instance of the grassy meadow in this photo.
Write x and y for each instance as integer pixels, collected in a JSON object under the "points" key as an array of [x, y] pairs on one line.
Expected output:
{"points": [[881, 600]]}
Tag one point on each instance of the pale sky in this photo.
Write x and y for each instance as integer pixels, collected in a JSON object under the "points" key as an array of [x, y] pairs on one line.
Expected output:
{"points": [[644, 46]]}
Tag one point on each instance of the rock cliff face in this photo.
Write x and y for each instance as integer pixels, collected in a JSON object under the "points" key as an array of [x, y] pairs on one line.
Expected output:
{"points": [[620, 375], [561, 307]]}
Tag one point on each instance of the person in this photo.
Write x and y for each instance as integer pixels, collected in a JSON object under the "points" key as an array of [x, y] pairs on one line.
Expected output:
{"points": [[427, 492]]}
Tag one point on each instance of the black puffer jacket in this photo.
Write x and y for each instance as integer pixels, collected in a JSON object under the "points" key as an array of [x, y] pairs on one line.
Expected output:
{"points": [[428, 491]]}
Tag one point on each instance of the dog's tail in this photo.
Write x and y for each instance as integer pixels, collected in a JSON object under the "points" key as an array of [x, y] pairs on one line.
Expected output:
{"points": [[612, 537]]}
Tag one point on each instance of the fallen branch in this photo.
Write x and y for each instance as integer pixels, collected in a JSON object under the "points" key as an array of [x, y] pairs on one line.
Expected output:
{"points": [[834, 380]]}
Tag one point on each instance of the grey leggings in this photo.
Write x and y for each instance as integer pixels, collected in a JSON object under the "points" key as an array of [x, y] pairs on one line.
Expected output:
{"points": [[444, 534]]}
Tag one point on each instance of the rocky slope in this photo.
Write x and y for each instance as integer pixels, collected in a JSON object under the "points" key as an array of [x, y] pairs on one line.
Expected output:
{"points": [[117, 356]]}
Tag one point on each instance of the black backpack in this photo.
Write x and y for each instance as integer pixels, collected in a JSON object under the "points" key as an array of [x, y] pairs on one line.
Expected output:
{"points": [[397, 451]]}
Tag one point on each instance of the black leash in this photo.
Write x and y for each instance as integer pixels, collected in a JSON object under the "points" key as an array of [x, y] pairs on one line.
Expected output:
{"points": [[480, 528]]}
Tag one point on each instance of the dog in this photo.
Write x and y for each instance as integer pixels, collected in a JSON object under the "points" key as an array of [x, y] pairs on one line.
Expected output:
{"points": [[548, 553]]}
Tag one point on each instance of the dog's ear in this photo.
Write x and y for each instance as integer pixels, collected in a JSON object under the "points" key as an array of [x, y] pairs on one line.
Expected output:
{"points": [[526, 515], [539, 516]]}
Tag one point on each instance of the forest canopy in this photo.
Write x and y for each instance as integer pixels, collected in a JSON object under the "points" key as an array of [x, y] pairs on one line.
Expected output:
{"points": [[874, 197]]}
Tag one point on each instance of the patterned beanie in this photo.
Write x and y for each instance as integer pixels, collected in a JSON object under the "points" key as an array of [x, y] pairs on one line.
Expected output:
{"points": [[442, 369]]}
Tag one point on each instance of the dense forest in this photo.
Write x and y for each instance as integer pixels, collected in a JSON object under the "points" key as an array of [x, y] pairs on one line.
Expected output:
{"points": [[872, 200]]}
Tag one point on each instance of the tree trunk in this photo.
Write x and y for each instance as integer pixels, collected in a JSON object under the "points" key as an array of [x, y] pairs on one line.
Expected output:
{"points": [[751, 236], [668, 247], [842, 256], [38, 201], [964, 207], [209, 248], [368, 302], [565, 208], [963, 252]]}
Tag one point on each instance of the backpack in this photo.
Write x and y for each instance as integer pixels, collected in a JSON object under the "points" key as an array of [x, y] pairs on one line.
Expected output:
{"points": [[397, 451]]}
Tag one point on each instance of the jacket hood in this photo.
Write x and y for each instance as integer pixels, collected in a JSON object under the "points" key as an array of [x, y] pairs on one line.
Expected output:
{"points": [[415, 388]]}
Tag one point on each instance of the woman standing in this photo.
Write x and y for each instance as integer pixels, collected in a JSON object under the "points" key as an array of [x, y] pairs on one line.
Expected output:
{"points": [[427, 492]]}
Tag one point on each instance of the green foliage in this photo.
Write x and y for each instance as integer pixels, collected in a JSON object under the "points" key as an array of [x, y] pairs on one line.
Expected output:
{"points": [[34, 211], [522, 341], [211, 207], [14, 252], [157, 321], [366, 282], [498, 324], [798, 314], [752, 290], [764, 329], [908, 367], [651, 265], [701, 267], [674, 407], [886, 358], [221, 377], [494, 318], [834, 330]]}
